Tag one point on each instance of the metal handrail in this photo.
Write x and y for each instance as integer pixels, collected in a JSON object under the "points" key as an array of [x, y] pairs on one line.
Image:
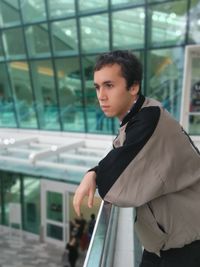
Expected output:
{"points": [[100, 251]]}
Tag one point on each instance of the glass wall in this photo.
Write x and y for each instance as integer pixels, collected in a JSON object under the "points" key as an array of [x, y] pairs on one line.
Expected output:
{"points": [[24, 190], [48, 49]]}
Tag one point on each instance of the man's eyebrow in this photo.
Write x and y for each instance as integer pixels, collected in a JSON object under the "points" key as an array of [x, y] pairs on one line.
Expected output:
{"points": [[105, 82]]}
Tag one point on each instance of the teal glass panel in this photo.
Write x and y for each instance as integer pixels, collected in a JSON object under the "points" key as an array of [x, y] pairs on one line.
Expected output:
{"points": [[10, 12], [20, 79], [33, 10], [194, 118], [96, 120], [31, 204], [54, 231], [130, 24], [54, 206], [1, 51], [70, 94], [60, 8], [92, 5], [164, 78], [46, 101], [194, 22], [94, 33], [11, 192], [194, 124], [38, 40], [155, 1], [7, 117], [167, 23], [14, 43], [64, 35], [125, 2]]}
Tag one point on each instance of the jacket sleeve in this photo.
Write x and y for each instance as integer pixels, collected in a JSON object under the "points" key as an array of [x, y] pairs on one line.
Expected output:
{"points": [[138, 132]]}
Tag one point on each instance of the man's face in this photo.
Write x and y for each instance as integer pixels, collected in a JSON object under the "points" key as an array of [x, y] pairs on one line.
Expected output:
{"points": [[114, 98]]}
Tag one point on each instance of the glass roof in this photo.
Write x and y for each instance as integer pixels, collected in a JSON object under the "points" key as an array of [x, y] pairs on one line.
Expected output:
{"points": [[51, 155]]}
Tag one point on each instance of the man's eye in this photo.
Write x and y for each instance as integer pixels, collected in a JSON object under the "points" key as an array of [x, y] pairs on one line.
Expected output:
{"points": [[109, 85]]}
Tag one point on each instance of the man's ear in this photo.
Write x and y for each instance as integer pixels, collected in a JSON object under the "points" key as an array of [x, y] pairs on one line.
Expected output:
{"points": [[134, 89]]}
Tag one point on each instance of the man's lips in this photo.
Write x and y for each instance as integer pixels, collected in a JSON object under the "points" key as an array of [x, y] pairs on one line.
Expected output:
{"points": [[105, 107]]}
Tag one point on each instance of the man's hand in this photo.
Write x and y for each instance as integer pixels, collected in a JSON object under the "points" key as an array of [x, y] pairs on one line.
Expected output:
{"points": [[86, 188]]}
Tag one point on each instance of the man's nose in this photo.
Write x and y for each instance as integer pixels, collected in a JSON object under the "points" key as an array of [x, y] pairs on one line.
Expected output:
{"points": [[101, 94]]}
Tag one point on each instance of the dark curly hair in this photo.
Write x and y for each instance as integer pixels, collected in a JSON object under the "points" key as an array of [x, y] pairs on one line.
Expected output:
{"points": [[131, 67]]}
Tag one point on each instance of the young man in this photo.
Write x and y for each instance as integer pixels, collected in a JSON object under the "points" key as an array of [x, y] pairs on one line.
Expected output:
{"points": [[153, 166]]}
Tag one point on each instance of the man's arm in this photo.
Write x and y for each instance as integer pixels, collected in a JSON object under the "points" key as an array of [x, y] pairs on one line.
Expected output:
{"points": [[87, 187]]}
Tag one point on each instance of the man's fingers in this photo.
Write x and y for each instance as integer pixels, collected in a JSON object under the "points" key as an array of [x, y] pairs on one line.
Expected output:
{"points": [[77, 204], [91, 198]]}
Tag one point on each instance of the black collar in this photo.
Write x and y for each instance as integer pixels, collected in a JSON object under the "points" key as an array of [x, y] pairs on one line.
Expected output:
{"points": [[135, 108]]}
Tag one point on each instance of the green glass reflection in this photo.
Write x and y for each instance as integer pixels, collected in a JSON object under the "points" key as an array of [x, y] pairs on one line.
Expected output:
{"points": [[23, 97], [7, 117], [194, 111], [33, 10], [164, 78], [90, 4], [94, 32], [168, 23], [31, 205], [54, 231], [10, 12], [11, 192], [1, 51], [65, 37], [54, 206], [130, 24], [14, 43], [96, 120], [38, 40], [122, 2], [194, 124], [46, 100], [59, 8], [194, 22], [70, 94]]}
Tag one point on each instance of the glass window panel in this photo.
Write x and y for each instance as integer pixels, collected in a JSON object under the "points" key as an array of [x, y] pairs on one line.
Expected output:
{"points": [[31, 204], [168, 23], [194, 124], [33, 10], [11, 192], [60, 8], [23, 94], [122, 2], [130, 25], [10, 12], [94, 33], [38, 40], [1, 51], [65, 37], [96, 120], [70, 94], [92, 4], [155, 1], [14, 36], [46, 101], [164, 77], [54, 231], [7, 117], [194, 22], [54, 206], [194, 119]]}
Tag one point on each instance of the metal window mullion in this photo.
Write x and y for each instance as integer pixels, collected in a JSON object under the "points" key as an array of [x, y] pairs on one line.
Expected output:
{"points": [[49, 32], [146, 47], [187, 22], [29, 65], [21, 178], [10, 82], [81, 66]]}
